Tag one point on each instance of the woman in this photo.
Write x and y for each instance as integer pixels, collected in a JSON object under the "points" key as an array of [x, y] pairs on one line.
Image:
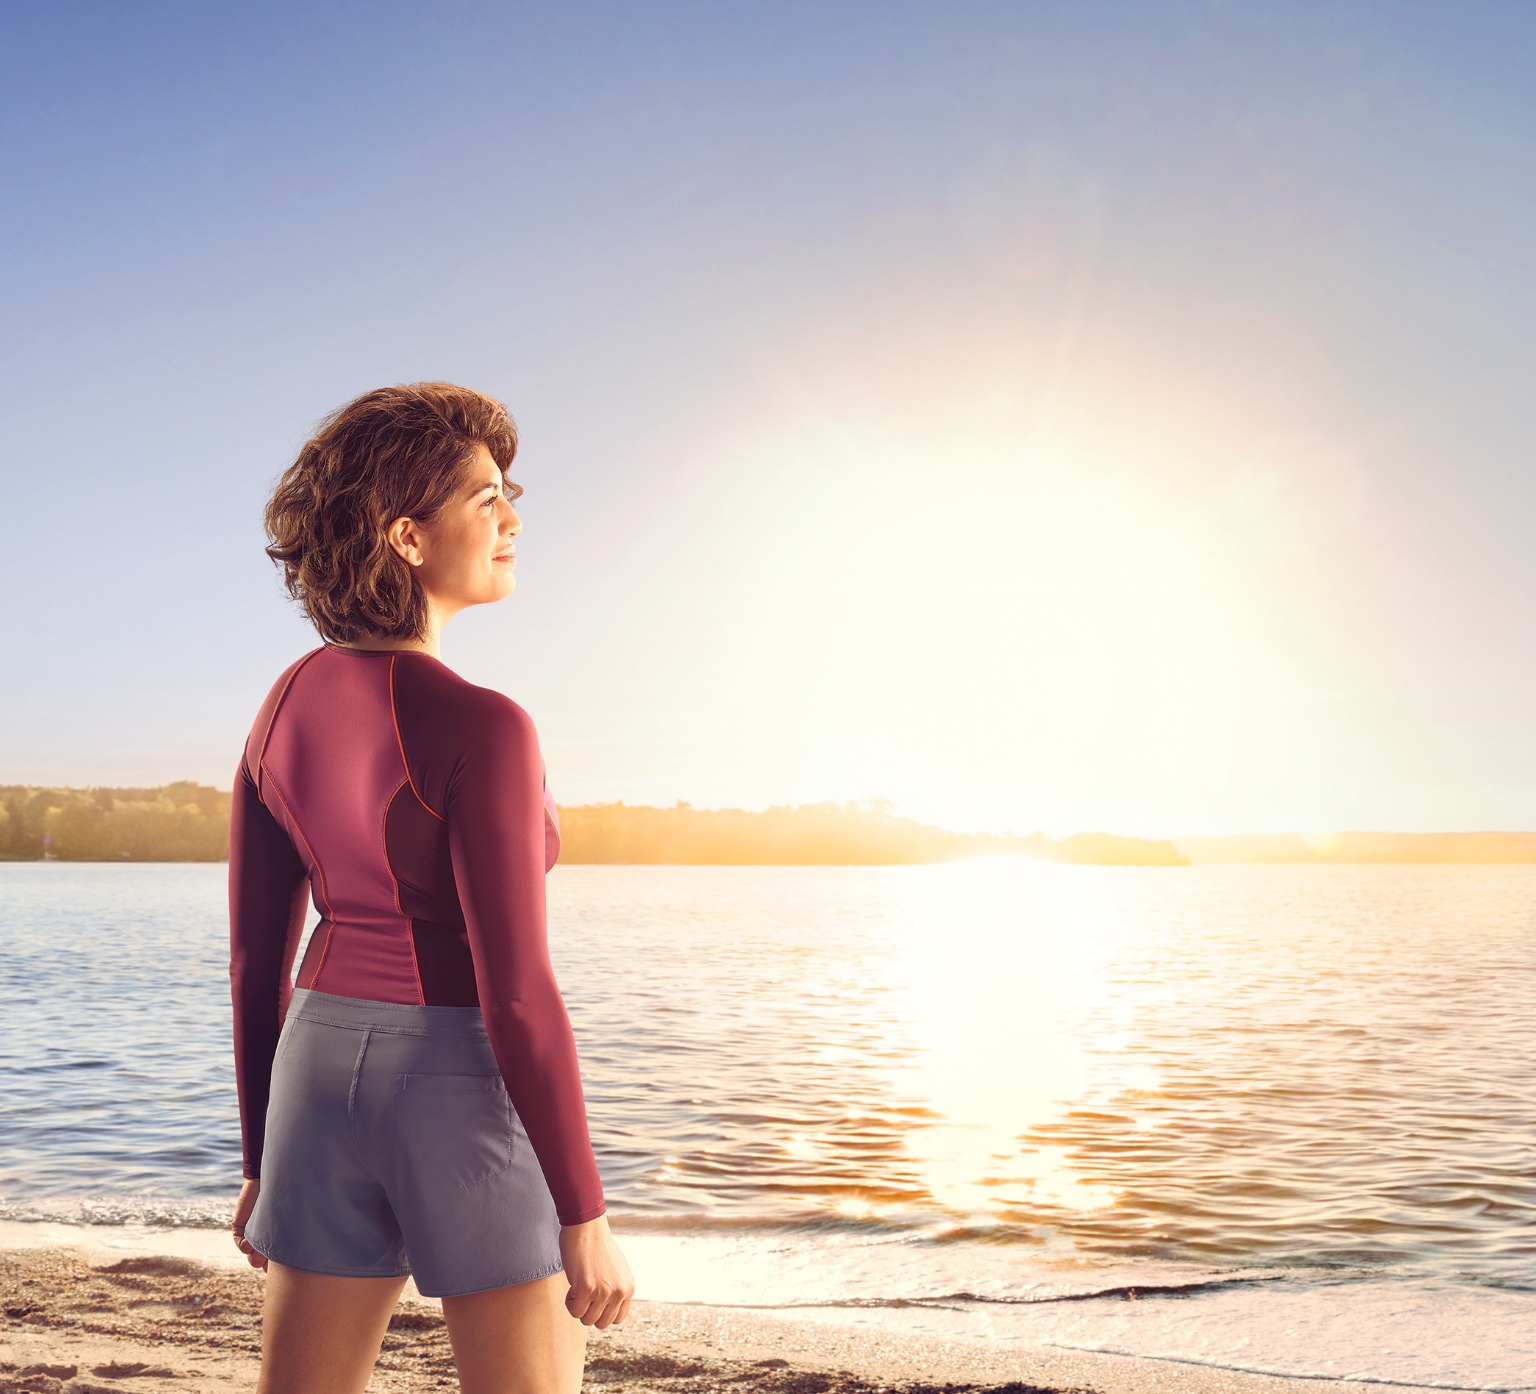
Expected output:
{"points": [[416, 1107]]}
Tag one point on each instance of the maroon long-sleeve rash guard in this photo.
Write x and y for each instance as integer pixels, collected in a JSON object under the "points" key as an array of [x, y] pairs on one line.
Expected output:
{"points": [[412, 805]]}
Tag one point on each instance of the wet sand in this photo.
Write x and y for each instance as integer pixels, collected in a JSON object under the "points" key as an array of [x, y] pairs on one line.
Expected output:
{"points": [[82, 1319]]}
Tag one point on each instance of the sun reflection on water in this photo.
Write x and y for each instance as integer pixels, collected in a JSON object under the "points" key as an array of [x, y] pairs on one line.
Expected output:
{"points": [[999, 964]]}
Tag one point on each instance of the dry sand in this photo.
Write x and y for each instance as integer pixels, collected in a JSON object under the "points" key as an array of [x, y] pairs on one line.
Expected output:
{"points": [[81, 1318]]}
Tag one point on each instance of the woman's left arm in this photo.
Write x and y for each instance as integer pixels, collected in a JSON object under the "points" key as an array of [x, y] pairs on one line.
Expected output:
{"points": [[267, 905], [495, 814]]}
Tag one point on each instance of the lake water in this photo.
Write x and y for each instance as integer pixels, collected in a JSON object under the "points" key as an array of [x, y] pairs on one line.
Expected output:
{"points": [[1277, 1118]]}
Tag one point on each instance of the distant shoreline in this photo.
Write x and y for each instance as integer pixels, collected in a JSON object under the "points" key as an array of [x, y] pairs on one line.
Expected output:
{"points": [[1360, 848], [188, 822]]}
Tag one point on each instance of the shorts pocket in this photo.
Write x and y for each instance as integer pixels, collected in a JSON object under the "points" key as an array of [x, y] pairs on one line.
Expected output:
{"points": [[285, 1036], [457, 1129]]}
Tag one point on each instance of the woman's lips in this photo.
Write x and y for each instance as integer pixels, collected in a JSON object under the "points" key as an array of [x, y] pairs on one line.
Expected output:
{"points": [[508, 556]]}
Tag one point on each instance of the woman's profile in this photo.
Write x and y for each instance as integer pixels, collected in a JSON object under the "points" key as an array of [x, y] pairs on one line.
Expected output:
{"points": [[413, 1106]]}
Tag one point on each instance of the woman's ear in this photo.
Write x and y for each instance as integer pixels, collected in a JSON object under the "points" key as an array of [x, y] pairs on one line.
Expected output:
{"points": [[405, 537]]}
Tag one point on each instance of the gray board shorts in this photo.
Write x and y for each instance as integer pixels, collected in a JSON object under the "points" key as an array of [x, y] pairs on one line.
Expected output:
{"points": [[392, 1147]]}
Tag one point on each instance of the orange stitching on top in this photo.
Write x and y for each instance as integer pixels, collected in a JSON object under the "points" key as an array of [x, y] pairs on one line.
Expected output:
{"points": [[384, 842], [400, 741], [266, 735], [410, 924], [410, 934], [329, 913]]}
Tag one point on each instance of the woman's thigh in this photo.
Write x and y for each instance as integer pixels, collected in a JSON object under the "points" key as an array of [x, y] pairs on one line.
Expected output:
{"points": [[320, 1334], [517, 1340]]}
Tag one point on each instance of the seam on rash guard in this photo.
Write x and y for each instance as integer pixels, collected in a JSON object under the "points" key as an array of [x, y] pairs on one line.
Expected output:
{"points": [[330, 914], [410, 923], [400, 741], [266, 735], [410, 937]]}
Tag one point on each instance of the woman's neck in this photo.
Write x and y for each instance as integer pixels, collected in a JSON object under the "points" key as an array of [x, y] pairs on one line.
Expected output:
{"points": [[428, 642]]}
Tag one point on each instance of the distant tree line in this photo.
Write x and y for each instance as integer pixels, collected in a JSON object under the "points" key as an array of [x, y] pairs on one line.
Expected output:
{"points": [[181, 822], [188, 822]]}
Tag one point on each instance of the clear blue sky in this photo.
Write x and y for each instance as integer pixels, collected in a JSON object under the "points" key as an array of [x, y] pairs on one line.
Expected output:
{"points": [[1043, 415]]}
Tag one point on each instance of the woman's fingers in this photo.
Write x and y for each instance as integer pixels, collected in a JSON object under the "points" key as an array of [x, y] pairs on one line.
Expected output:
{"points": [[599, 1306], [586, 1304], [249, 1191], [601, 1302], [252, 1256]]}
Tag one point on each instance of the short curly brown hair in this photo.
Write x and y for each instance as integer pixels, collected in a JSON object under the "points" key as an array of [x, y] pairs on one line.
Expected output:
{"points": [[399, 452]]}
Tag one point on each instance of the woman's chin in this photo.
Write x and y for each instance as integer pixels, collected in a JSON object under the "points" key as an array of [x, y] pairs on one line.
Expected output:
{"points": [[497, 588]]}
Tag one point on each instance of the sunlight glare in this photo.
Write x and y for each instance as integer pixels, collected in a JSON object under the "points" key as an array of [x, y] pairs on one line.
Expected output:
{"points": [[1000, 961]]}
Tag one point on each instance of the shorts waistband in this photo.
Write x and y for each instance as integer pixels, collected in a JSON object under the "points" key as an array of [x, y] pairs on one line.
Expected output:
{"points": [[396, 1018]]}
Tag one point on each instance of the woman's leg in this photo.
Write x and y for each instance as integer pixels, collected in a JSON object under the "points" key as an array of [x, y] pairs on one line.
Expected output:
{"points": [[319, 1334], [517, 1340]]}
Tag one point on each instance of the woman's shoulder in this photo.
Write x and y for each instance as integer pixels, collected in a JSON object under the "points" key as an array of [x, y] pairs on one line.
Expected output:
{"points": [[457, 737], [430, 693], [267, 713]]}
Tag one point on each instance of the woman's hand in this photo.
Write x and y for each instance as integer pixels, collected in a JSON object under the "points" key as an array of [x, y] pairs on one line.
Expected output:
{"points": [[601, 1284], [243, 1207]]}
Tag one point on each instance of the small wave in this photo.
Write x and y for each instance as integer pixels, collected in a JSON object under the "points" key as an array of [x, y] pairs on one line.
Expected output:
{"points": [[1132, 1292], [1135, 1292], [804, 1223]]}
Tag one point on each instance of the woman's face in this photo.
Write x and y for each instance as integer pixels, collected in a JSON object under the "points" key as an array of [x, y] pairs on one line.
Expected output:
{"points": [[466, 553]]}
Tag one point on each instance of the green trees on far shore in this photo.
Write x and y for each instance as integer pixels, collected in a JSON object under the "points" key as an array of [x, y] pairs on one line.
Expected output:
{"points": [[188, 822], [182, 822]]}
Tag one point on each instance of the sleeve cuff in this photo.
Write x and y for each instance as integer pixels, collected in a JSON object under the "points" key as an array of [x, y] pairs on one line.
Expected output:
{"points": [[582, 1216]]}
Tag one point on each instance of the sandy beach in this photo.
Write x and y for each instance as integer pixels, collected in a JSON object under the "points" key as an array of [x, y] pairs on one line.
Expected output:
{"points": [[92, 1311]]}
